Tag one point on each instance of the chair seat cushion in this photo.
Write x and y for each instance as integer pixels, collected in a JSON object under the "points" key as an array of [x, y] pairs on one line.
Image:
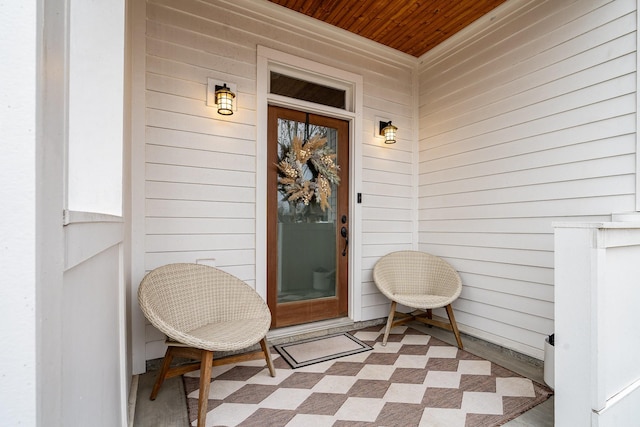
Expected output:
{"points": [[422, 301], [229, 336]]}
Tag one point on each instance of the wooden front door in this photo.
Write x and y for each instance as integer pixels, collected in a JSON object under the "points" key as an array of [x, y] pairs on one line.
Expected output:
{"points": [[308, 217]]}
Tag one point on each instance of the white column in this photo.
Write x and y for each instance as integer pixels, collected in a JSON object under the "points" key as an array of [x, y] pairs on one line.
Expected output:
{"points": [[597, 295], [18, 29]]}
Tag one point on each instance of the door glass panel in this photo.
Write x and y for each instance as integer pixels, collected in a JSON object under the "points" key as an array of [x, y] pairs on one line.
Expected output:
{"points": [[306, 212], [292, 87]]}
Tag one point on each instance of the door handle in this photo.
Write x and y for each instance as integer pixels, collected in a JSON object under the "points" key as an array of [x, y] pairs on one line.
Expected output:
{"points": [[343, 233]]}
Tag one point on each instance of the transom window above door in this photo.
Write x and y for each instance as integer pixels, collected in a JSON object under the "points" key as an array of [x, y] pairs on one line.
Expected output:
{"points": [[304, 85], [282, 84]]}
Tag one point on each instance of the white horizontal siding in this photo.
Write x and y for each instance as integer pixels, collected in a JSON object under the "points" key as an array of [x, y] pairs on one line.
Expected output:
{"points": [[531, 121], [188, 191], [500, 225], [172, 173], [200, 176], [199, 225]]}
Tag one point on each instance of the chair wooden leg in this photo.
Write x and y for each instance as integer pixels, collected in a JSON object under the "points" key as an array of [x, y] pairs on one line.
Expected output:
{"points": [[267, 356], [205, 384], [454, 325], [166, 363], [429, 316], [387, 329]]}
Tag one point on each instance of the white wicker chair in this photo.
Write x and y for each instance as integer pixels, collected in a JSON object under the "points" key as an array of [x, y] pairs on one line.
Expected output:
{"points": [[202, 310], [421, 281]]}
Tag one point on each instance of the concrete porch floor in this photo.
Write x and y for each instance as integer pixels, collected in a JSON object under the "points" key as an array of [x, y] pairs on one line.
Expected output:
{"points": [[169, 409]]}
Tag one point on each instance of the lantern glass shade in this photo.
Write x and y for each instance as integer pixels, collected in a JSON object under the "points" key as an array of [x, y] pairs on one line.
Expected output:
{"points": [[224, 100], [389, 132]]}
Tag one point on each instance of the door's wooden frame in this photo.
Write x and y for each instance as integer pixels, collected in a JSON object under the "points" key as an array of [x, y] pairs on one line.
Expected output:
{"points": [[292, 313]]}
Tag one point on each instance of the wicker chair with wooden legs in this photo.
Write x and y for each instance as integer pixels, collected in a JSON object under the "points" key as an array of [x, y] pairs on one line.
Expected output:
{"points": [[420, 281], [203, 310]]}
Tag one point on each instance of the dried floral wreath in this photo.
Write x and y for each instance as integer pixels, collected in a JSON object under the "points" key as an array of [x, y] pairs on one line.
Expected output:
{"points": [[319, 159]]}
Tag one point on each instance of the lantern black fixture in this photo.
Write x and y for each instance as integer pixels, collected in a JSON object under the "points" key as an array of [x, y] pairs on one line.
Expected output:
{"points": [[389, 132], [224, 100]]}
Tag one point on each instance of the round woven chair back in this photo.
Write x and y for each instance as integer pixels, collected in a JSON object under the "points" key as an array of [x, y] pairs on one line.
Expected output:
{"points": [[414, 272], [178, 298]]}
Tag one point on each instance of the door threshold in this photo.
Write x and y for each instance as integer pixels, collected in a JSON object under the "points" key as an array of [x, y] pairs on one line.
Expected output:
{"points": [[310, 330]]}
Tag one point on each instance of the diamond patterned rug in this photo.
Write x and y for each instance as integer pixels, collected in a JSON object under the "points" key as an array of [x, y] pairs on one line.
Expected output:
{"points": [[416, 380]]}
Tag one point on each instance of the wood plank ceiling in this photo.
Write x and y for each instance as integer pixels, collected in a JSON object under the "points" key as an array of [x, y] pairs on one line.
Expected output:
{"points": [[410, 26]]}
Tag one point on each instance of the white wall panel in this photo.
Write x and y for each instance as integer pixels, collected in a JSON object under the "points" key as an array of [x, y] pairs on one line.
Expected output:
{"points": [[22, 244], [95, 61], [528, 121], [93, 325]]}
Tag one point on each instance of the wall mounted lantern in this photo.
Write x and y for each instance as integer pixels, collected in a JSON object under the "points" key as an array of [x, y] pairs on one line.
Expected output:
{"points": [[389, 132], [224, 100], [221, 96]]}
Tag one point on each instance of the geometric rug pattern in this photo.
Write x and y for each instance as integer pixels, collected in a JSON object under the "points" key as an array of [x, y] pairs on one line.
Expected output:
{"points": [[415, 380]]}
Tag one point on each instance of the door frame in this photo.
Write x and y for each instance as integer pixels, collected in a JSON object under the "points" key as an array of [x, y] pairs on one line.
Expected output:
{"points": [[313, 309], [266, 59]]}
